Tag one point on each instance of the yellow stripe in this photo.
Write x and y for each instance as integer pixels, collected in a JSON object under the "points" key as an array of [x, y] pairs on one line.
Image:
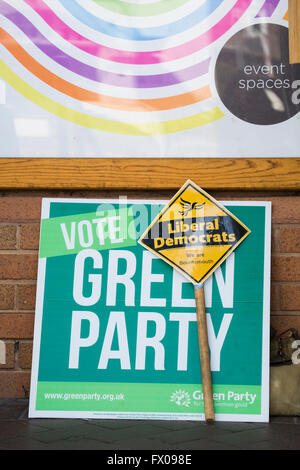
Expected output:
{"points": [[105, 125]]}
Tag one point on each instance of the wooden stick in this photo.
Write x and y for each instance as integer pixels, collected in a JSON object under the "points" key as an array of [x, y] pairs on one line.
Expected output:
{"points": [[204, 354], [294, 31]]}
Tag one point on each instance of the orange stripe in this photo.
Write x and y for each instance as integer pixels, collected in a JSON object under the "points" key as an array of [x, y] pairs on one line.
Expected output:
{"points": [[286, 16], [159, 104]]}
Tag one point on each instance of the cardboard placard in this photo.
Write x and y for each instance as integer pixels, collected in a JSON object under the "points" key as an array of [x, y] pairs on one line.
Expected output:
{"points": [[194, 233]]}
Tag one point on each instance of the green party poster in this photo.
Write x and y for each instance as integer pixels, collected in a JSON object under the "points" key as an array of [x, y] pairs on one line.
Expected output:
{"points": [[115, 326]]}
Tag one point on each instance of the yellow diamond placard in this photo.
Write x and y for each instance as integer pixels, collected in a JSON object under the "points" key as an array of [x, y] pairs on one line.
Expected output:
{"points": [[194, 233]]}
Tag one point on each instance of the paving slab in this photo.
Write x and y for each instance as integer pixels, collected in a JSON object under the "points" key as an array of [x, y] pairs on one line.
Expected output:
{"points": [[18, 432]]}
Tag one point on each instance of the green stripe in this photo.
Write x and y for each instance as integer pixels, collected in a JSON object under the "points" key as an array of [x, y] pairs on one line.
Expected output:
{"points": [[144, 398], [130, 9], [60, 235]]}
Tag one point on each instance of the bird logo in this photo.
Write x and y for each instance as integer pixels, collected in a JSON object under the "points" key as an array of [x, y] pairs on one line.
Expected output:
{"points": [[189, 206]]}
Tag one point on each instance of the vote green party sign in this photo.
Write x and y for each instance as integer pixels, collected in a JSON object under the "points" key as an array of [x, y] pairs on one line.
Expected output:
{"points": [[115, 326]]}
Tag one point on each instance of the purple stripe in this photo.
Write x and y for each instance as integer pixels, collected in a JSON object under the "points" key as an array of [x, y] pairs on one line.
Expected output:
{"points": [[97, 75], [268, 8]]}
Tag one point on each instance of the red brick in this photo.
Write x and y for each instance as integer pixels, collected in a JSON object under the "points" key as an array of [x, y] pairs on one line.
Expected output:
{"points": [[290, 297], [26, 297], [20, 208], [283, 322], [18, 266], [8, 237], [30, 235], [14, 384], [7, 297], [275, 297], [9, 355], [25, 355], [289, 239], [285, 209], [16, 325], [275, 240], [285, 268]]}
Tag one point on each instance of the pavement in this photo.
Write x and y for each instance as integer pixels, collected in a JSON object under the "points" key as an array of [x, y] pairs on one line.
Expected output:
{"points": [[17, 432]]}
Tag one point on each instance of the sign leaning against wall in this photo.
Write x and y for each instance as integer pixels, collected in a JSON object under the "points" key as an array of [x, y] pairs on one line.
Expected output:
{"points": [[205, 78], [115, 326]]}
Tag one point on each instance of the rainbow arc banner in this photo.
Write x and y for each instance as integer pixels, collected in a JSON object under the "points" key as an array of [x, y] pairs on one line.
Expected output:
{"points": [[196, 78]]}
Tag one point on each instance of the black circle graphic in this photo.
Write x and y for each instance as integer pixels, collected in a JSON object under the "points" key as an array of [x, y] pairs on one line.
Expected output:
{"points": [[254, 78]]}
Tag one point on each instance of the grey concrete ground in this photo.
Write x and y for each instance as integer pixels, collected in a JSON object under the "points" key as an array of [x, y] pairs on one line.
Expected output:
{"points": [[17, 432]]}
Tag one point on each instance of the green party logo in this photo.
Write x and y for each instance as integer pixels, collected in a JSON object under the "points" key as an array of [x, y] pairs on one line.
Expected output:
{"points": [[181, 398]]}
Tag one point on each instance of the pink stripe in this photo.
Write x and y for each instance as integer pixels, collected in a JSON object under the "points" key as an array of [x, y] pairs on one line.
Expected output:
{"points": [[210, 36], [141, 58]]}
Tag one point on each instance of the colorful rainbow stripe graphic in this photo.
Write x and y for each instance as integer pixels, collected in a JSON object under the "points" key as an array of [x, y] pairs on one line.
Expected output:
{"points": [[119, 66]]}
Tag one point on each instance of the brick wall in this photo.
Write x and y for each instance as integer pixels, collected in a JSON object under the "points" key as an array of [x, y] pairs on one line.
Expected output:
{"points": [[19, 239]]}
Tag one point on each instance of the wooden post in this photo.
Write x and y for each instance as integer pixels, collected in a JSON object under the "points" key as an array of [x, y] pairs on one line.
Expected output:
{"points": [[294, 31], [204, 354]]}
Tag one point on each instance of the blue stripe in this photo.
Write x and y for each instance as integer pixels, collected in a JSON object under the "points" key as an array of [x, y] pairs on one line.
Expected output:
{"points": [[142, 34]]}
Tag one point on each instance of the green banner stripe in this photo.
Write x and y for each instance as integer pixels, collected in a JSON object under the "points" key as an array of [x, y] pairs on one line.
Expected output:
{"points": [[134, 9], [62, 236], [145, 398]]}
